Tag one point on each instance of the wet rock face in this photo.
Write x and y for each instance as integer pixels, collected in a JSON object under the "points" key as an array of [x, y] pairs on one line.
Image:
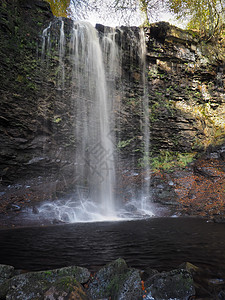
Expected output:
{"points": [[35, 119], [184, 95], [21, 22], [186, 101]]}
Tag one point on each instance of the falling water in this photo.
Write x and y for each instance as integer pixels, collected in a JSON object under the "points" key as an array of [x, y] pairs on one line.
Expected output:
{"points": [[146, 131], [94, 155], [92, 99], [61, 57], [94, 61], [137, 198], [111, 53], [45, 38]]}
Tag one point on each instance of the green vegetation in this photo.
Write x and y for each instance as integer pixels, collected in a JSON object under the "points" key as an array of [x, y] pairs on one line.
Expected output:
{"points": [[57, 119], [123, 144], [169, 160], [115, 284], [206, 16], [67, 282], [161, 106], [48, 273]]}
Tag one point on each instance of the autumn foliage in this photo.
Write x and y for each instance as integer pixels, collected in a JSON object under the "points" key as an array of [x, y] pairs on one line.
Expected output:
{"points": [[198, 188], [60, 8], [202, 192]]}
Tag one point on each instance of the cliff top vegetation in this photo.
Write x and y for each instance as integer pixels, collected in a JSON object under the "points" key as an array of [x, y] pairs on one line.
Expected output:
{"points": [[205, 16]]}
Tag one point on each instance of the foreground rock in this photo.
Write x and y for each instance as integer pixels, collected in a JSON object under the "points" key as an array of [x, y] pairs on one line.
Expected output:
{"points": [[51, 284], [115, 281], [66, 288], [5, 273], [176, 284], [208, 284]]}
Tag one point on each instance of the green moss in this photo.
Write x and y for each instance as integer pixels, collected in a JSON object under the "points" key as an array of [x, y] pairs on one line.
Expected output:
{"points": [[123, 144], [20, 78], [161, 106], [168, 160], [31, 86], [57, 120], [114, 285], [67, 283], [48, 272]]}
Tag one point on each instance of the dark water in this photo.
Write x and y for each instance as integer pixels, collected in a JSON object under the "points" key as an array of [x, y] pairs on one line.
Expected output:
{"points": [[161, 243]]}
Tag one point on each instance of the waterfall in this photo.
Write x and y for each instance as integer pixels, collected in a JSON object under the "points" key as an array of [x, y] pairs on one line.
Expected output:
{"points": [[61, 83], [146, 129], [45, 38], [95, 88], [92, 63], [94, 155], [137, 193]]}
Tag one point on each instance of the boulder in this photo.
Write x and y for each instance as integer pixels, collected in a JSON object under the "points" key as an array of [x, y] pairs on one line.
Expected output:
{"points": [[66, 288], [117, 281], [6, 272], [176, 284], [35, 285], [207, 282]]}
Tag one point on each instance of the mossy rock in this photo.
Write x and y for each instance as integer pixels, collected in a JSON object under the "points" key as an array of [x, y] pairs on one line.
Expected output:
{"points": [[176, 284], [33, 285], [117, 281], [66, 288]]}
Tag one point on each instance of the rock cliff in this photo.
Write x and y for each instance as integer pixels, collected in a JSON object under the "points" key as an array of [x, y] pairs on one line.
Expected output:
{"points": [[185, 86]]}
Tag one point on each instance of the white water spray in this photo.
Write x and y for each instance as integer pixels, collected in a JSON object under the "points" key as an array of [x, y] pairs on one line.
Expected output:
{"points": [[146, 131]]}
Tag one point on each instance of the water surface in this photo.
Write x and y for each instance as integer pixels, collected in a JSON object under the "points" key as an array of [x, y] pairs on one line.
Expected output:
{"points": [[161, 243]]}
